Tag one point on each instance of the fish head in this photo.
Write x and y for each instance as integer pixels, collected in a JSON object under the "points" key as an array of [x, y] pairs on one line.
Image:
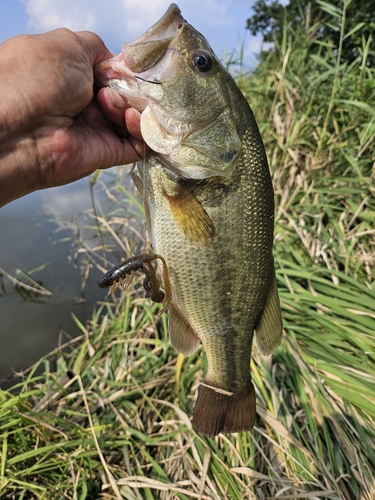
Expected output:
{"points": [[188, 100]]}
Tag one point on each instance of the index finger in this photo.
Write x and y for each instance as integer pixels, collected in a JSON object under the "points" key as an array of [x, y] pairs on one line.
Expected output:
{"points": [[94, 46]]}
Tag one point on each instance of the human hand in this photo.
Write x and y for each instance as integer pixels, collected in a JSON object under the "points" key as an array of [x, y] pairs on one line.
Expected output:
{"points": [[53, 130]]}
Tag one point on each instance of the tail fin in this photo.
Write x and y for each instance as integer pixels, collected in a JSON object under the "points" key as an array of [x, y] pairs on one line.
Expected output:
{"points": [[218, 411]]}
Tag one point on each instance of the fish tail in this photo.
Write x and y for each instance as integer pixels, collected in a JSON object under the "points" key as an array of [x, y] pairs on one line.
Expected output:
{"points": [[219, 410]]}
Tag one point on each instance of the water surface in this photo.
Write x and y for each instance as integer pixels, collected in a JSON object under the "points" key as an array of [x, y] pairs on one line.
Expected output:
{"points": [[31, 326]]}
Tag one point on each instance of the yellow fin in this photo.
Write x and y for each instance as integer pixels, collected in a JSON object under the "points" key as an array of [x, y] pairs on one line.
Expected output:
{"points": [[190, 216], [183, 337], [269, 329]]}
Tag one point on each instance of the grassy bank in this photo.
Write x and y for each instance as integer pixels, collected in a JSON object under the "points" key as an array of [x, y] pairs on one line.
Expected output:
{"points": [[110, 417]]}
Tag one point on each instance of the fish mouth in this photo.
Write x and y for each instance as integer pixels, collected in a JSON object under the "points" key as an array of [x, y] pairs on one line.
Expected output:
{"points": [[138, 59], [165, 27]]}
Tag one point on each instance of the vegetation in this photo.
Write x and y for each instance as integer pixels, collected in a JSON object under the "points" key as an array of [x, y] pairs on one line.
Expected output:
{"points": [[111, 420], [323, 19]]}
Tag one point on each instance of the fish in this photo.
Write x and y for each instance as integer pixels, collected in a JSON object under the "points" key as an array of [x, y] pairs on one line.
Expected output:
{"points": [[209, 203]]}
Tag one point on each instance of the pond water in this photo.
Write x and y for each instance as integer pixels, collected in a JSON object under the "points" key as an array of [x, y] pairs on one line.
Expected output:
{"points": [[32, 325]]}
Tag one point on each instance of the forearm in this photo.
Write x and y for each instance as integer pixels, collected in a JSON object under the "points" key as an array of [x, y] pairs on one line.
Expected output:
{"points": [[52, 129], [17, 148], [16, 177], [46, 156], [45, 82]]}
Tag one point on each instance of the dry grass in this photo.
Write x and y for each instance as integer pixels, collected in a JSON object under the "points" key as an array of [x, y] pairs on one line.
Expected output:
{"points": [[121, 425]]}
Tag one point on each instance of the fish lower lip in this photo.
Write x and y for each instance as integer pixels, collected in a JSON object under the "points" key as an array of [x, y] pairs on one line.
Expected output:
{"points": [[148, 81]]}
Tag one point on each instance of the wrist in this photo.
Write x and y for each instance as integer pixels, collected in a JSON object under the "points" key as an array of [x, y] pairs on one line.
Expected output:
{"points": [[16, 177], [16, 150]]}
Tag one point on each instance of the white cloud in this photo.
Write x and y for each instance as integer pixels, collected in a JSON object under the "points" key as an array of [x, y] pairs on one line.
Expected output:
{"points": [[45, 15], [67, 200], [117, 21], [126, 18]]}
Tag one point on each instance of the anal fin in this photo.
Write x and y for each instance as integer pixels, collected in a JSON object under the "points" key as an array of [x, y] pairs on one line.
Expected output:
{"points": [[183, 337], [269, 329]]}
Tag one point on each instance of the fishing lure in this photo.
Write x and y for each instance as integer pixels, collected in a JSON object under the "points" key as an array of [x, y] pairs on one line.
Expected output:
{"points": [[123, 274]]}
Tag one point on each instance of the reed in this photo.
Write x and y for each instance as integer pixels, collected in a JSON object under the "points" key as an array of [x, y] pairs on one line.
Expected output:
{"points": [[110, 417]]}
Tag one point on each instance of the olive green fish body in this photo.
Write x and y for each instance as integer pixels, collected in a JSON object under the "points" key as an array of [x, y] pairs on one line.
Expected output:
{"points": [[209, 200], [220, 285]]}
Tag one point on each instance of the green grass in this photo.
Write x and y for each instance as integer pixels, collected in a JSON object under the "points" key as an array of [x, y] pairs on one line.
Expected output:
{"points": [[119, 424], [122, 423]]}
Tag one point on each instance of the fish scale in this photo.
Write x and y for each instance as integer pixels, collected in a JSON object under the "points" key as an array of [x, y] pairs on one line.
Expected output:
{"points": [[209, 201], [221, 288]]}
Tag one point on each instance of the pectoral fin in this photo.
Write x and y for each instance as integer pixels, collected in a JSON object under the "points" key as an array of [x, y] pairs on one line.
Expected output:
{"points": [[190, 216], [270, 327], [140, 186], [138, 183], [183, 337]]}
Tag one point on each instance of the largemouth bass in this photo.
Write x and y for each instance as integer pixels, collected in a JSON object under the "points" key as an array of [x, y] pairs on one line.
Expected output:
{"points": [[209, 202]]}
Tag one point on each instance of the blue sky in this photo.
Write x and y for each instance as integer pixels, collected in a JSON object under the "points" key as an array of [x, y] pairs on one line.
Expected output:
{"points": [[222, 22]]}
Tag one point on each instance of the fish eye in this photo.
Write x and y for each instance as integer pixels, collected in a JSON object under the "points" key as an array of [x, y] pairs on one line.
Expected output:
{"points": [[202, 62]]}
